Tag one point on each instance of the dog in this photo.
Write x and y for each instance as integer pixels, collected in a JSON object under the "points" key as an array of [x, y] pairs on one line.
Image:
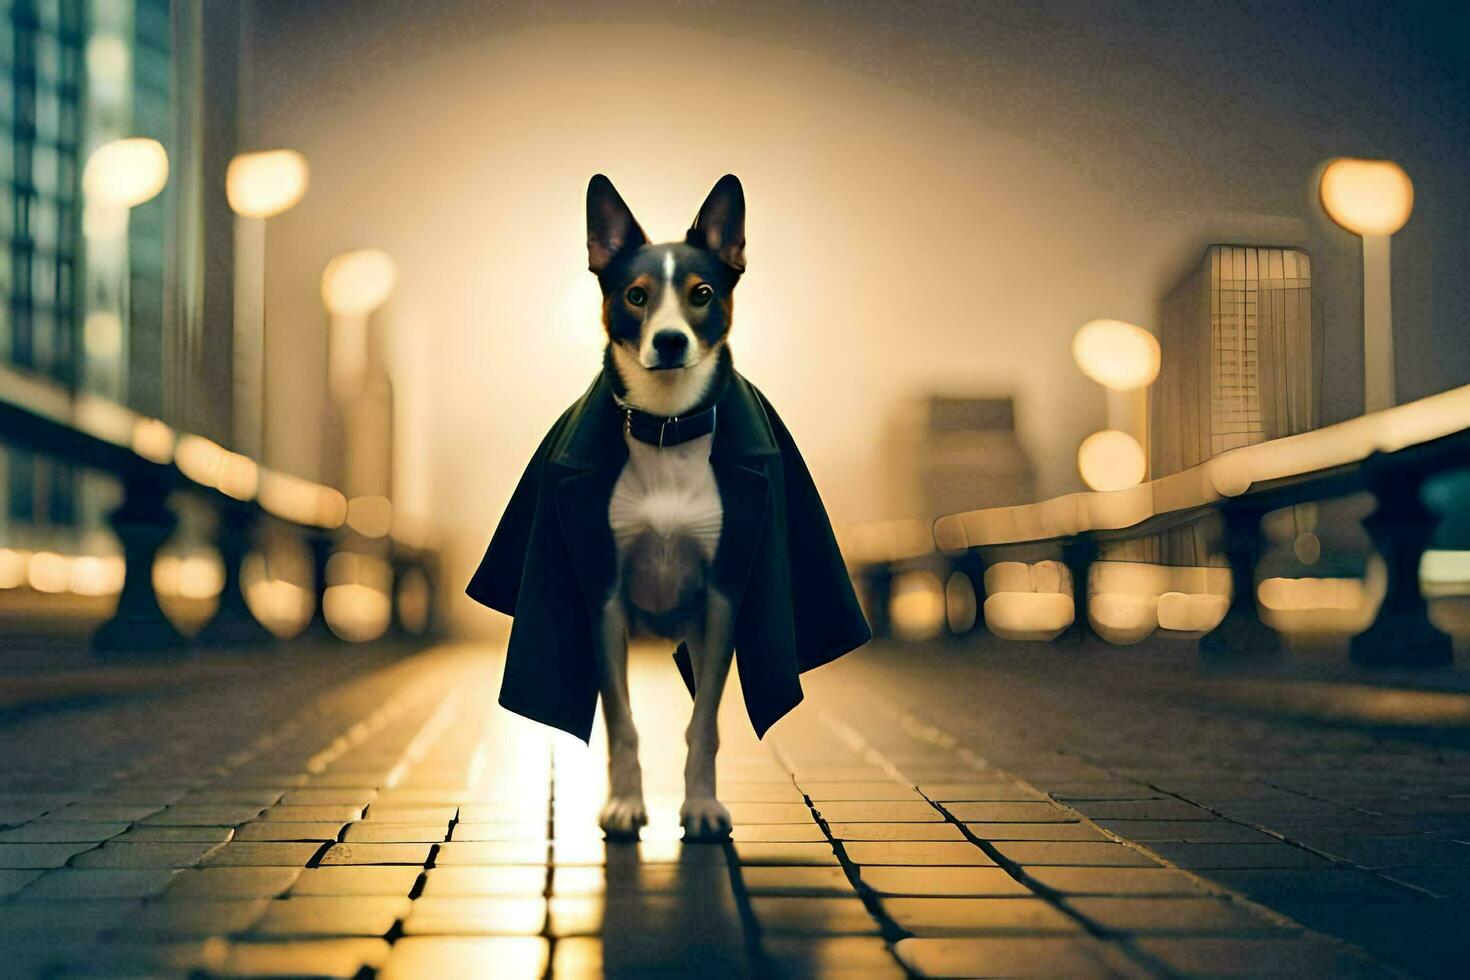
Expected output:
{"points": [[667, 310], [669, 500]]}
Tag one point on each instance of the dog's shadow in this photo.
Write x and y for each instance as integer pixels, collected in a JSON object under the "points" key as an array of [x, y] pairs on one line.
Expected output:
{"points": [[671, 916]]}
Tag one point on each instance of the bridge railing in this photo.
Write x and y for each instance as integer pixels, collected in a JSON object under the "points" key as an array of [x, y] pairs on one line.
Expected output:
{"points": [[159, 468], [1182, 556]]}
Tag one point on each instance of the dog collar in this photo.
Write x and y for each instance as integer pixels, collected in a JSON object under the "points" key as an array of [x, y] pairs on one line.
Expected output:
{"points": [[656, 430]]}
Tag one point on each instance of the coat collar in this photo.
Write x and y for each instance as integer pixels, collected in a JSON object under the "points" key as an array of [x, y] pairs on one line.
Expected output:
{"points": [[593, 438]]}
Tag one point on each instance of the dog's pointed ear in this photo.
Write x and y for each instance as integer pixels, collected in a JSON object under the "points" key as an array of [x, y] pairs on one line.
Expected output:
{"points": [[720, 224], [611, 227]]}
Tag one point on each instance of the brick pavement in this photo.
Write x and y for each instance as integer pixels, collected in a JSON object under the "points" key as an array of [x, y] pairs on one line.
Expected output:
{"points": [[394, 822]]}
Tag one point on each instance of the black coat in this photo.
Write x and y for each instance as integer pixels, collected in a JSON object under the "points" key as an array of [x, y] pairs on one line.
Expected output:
{"points": [[552, 561]]}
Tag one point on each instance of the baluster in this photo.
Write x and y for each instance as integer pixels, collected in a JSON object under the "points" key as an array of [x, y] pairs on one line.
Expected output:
{"points": [[1401, 528], [233, 623], [142, 522], [1241, 634]]}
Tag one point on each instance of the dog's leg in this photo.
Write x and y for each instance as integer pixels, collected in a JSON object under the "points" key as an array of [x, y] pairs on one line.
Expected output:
{"points": [[624, 812], [710, 650]]}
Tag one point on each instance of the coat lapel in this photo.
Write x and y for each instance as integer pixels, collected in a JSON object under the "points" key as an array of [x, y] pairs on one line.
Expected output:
{"points": [[742, 449], [585, 466]]}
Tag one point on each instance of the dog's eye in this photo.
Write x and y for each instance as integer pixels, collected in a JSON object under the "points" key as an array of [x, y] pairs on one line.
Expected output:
{"points": [[701, 294], [636, 295]]}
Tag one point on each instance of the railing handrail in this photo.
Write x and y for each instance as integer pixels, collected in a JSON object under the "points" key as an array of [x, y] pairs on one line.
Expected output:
{"points": [[1309, 465]]}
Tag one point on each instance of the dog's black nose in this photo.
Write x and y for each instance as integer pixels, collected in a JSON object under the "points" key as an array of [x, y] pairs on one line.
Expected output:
{"points": [[670, 346]]}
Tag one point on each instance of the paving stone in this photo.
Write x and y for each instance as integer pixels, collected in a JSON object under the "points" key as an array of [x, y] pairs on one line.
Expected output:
{"points": [[62, 832], [313, 814], [1035, 832], [760, 793], [1220, 957], [1273, 886], [942, 881], [69, 883], [1400, 851], [841, 956], [176, 835], [289, 830], [1116, 881], [778, 833], [20, 857], [258, 853], [575, 915], [896, 811], [1238, 856], [103, 812], [514, 957], [217, 814], [773, 853], [885, 789], [1037, 812], [977, 916], [380, 832], [636, 879], [469, 882], [252, 795], [501, 812], [220, 884], [79, 919], [831, 881], [357, 880], [329, 796], [1097, 853], [1192, 831], [493, 852], [144, 855], [1195, 916], [523, 830], [311, 958], [13, 881], [415, 854], [758, 813], [309, 915], [411, 814], [1101, 789], [1074, 957], [979, 792], [915, 852], [498, 915], [1141, 810], [895, 831], [822, 916], [173, 919]]}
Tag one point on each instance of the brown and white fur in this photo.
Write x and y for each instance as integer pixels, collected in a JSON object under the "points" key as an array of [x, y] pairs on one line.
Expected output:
{"points": [[667, 309]]}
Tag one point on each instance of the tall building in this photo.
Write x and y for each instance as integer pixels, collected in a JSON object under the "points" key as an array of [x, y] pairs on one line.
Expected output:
{"points": [[1241, 356], [87, 306]]}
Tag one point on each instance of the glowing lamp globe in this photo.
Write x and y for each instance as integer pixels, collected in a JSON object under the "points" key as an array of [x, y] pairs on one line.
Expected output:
{"points": [[356, 283], [1117, 355], [125, 173], [1111, 460], [262, 185], [1367, 197]]}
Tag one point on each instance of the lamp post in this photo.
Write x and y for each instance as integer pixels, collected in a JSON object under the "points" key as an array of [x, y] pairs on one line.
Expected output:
{"points": [[258, 186], [1372, 199], [1124, 359], [118, 177]]}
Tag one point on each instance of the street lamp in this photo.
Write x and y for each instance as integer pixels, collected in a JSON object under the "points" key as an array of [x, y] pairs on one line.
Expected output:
{"points": [[118, 176], [354, 284], [1124, 358], [258, 186], [1372, 199]]}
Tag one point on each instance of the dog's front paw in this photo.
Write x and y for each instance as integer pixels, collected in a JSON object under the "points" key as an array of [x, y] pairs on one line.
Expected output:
{"points": [[705, 819], [622, 816]]}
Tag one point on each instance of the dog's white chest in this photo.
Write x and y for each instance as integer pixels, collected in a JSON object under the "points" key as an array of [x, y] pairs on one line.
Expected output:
{"points": [[669, 491]]}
